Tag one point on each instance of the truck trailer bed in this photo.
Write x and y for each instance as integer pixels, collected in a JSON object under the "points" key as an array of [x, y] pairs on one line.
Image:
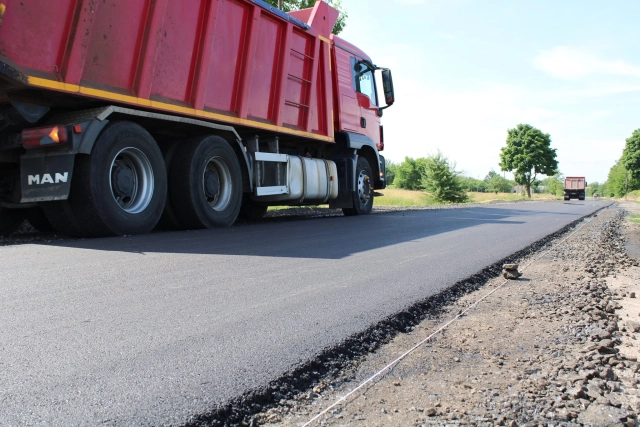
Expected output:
{"points": [[240, 62]]}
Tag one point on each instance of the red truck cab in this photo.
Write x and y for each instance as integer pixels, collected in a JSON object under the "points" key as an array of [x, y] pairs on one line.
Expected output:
{"points": [[356, 93]]}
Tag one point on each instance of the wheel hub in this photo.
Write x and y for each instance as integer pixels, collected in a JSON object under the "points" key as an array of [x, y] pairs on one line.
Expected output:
{"points": [[364, 188], [131, 180], [122, 181], [211, 184], [216, 183]]}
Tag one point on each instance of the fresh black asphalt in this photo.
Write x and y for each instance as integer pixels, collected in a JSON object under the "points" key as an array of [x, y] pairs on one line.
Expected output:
{"points": [[150, 330]]}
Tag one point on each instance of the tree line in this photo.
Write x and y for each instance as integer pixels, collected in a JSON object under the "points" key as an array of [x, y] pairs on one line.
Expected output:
{"points": [[527, 154], [412, 174], [624, 175]]}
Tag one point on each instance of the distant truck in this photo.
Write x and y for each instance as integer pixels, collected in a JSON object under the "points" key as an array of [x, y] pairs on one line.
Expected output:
{"points": [[117, 115], [575, 187]]}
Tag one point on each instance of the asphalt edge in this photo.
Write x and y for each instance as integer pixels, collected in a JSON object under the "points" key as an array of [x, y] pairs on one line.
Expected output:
{"points": [[240, 411]]}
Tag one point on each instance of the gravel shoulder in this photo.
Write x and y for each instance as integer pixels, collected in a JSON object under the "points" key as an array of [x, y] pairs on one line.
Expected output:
{"points": [[558, 346]]}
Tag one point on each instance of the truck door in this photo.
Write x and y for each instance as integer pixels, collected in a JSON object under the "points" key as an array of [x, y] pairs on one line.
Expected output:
{"points": [[367, 97], [357, 95]]}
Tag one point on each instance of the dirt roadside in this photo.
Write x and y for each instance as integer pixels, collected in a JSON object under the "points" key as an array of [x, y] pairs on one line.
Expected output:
{"points": [[556, 347]]}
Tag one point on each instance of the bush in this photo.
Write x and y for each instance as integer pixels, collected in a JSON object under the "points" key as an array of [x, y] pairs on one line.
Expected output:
{"points": [[442, 180], [409, 174], [472, 184], [391, 171], [498, 184]]}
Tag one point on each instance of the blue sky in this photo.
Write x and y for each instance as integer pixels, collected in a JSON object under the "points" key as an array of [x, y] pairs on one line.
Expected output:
{"points": [[465, 71]]}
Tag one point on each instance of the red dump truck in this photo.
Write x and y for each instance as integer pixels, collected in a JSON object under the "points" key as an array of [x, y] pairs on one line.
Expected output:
{"points": [[119, 115], [575, 187]]}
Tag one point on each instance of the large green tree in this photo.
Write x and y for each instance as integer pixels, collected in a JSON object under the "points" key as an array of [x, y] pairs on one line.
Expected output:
{"points": [[443, 181], [289, 5], [620, 181], [631, 154], [528, 154], [409, 174]]}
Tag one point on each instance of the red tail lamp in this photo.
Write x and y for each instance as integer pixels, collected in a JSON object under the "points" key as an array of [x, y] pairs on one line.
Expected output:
{"points": [[44, 137]]}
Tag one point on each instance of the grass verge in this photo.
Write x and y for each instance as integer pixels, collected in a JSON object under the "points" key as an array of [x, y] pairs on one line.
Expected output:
{"points": [[634, 218], [398, 197], [408, 198]]}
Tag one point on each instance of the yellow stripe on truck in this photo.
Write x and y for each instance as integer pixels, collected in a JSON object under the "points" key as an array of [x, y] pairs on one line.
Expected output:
{"points": [[141, 102]]}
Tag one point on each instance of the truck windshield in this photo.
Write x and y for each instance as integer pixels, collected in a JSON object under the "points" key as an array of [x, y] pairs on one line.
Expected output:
{"points": [[364, 80]]}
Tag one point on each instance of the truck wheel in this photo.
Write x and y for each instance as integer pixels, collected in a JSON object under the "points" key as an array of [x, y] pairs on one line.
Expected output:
{"points": [[38, 220], [205, 183], [251, 210], [10, 220], [63, 218], [119, 189], [169, 220], [362, 198]]}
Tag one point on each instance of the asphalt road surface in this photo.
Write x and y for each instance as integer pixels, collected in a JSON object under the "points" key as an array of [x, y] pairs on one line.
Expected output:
{"points": [[150, 330]]}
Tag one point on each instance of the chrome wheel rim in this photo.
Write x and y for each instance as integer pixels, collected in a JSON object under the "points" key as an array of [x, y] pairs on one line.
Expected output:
{"points": [[364, 188], [131, 180], [216, 183]]}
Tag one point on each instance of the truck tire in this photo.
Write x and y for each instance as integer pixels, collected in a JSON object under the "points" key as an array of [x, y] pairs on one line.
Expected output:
{"points": [[362, 198], [251, 210], [205, 183], [10, 220], [169, 220], [38, 220], [119, 189]]}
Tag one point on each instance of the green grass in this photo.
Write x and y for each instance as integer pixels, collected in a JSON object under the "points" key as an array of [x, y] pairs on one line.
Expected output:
{"points": [[398, 197], [277, 208], [409, 198], [632, 196], [508, 197], [634, 218]]}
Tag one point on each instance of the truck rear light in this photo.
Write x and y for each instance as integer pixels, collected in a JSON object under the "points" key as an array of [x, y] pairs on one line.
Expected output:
{"points": [[43, 137]]}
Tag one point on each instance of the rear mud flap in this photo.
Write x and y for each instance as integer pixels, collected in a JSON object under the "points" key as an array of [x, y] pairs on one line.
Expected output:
{"points": [[45, 178], [346, 184]]}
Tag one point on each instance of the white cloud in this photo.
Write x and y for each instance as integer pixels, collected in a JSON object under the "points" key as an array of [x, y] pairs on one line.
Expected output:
{"points": [[410, 2], [603, 91], [569, 63]]}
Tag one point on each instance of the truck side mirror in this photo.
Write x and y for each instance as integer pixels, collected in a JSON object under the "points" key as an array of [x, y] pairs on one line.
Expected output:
{"points": [[387, 85]]}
